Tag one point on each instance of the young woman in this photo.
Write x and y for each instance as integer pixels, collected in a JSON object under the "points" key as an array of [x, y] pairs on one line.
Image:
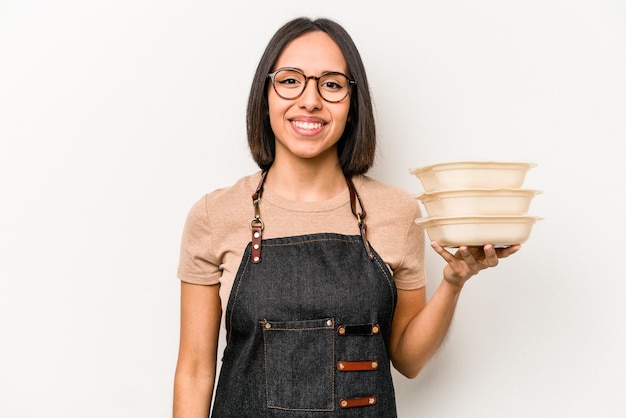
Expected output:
{"points": [[315, 269]]}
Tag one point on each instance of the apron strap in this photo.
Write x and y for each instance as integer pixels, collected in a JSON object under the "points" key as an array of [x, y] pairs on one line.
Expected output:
{"points": [[257, 226], [360, 216]]}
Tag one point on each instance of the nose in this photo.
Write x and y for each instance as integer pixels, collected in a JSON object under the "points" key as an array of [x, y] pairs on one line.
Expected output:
{"points": [[310, 98]]}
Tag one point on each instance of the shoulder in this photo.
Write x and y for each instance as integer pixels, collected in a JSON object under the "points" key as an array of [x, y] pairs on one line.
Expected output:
{"points": [[377, 194], [390, 210], [226, 204], [391, 228], [240, 192]]}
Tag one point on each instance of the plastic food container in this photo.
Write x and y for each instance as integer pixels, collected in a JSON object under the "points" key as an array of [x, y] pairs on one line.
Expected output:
{"points": [[501, 231], [477, 202], [472, 175]]}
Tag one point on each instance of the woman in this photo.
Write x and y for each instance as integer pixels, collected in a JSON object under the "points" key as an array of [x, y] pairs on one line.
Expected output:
{"points": [[317, 268]]}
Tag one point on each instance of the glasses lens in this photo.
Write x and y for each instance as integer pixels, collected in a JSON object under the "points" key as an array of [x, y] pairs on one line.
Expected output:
{"points": [[289, 84], [333, 87]]}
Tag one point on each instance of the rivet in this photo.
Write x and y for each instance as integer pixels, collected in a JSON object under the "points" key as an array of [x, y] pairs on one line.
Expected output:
{"points": [[256, 246], [374, 365], [268, 325], [375, 329], [344, 403], [256, 235], [341, 366], [256, 258], [372, 401], [341, 330], [329, 322]]}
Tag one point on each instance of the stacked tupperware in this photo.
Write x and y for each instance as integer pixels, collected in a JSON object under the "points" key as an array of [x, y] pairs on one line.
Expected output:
{"points": [[476, 203]]}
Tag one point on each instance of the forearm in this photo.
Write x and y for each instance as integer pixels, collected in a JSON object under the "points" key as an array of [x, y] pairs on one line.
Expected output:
{"points": [[425, 332], [418, 327], [192, 395], [197, 356]]}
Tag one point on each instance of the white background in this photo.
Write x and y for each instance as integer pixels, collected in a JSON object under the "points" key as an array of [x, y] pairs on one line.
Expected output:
{"points": [[115, 116]]}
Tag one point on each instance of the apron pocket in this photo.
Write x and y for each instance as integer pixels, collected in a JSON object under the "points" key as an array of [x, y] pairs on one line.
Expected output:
{"points": [[299, 364]]}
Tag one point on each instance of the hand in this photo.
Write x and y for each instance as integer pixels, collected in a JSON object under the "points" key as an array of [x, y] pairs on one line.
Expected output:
{"points": [[468, 261]]}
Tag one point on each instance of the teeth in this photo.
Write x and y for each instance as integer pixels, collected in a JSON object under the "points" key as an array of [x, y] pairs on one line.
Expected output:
{"points": [[307, 125]]}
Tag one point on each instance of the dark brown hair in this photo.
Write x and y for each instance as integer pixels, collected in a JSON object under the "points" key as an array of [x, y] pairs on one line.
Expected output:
{"points": [[357, 145]]}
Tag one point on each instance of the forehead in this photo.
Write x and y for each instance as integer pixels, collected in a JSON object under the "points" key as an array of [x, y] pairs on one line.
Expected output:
{"points": [[313, 53]]}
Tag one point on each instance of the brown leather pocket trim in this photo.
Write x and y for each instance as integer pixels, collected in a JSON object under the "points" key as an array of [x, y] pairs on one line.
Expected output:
{"points": [[357, 366], [354, 402]]}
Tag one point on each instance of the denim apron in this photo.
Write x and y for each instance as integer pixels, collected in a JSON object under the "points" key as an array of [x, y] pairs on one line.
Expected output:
{"points": [[308, 322]]}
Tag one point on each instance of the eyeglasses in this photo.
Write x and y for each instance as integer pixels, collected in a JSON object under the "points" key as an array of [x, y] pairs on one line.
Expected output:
{"points": [[289, 83]]}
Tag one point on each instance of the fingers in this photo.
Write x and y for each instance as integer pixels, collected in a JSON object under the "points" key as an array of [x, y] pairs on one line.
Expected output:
{"points": [[479, 258], [442, 252], [476, 258], [468, 261], [505, 252]]}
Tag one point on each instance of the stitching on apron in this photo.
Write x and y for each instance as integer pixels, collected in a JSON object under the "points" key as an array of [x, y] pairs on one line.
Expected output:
{"points": [[356, 239], [232, 311], [385, 271], [266, 373]]}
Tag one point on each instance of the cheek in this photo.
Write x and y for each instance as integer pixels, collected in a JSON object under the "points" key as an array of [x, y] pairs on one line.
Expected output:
{"points": [[276, 106], [276, 117], [273, 112], [344, 115]]}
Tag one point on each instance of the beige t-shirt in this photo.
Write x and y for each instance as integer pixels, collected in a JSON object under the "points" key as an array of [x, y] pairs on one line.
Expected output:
{"points": [[217, 229]]}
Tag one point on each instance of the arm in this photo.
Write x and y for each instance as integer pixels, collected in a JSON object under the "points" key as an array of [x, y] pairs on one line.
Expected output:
{"points": [[418, 327], [199, 332]]}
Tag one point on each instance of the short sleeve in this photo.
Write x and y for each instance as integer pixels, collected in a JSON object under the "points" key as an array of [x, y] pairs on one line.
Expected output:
{"points": [[197, 263], [409, 274]]}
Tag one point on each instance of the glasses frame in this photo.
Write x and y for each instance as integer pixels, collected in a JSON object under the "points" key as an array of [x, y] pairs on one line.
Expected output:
{"points": [[272, 77]]}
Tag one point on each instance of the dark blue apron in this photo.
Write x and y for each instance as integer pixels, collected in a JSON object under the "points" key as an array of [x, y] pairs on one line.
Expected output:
{"points": [[308, 322]]}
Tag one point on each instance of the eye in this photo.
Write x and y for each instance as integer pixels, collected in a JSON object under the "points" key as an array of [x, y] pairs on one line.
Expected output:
{"points": [[289, 79], [332, 85], [333, 82]]}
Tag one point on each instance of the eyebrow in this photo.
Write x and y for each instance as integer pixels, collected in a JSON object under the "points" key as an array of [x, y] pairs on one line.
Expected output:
{"points": [[304, 72]]}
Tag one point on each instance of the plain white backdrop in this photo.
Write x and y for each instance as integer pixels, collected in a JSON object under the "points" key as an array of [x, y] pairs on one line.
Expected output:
{"points": [[116, 116]]}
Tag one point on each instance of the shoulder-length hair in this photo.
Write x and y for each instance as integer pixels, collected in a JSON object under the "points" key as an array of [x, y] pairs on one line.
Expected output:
{"points": [[357, 146]]}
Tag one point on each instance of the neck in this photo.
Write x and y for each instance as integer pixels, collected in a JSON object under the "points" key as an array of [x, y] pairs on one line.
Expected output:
{"points": [[306, 183]]}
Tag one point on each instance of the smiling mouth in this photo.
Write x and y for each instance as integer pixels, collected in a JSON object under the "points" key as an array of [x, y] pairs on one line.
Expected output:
{"points": [[307, 125]]}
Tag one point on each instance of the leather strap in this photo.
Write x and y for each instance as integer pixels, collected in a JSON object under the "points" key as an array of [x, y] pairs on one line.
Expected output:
{"points": [[256, 224], [368, 329], [354, 402], [357, 366], [257, 235], [360, 216]]}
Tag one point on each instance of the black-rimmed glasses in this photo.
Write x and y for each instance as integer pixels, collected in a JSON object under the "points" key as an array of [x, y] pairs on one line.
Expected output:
{"points": [[289, 83]]}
